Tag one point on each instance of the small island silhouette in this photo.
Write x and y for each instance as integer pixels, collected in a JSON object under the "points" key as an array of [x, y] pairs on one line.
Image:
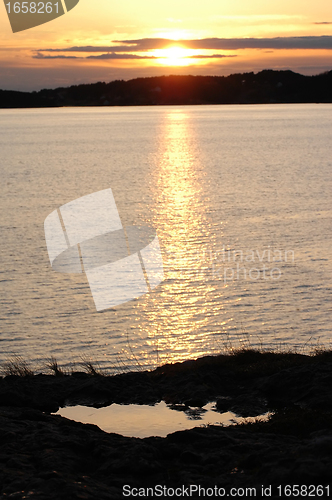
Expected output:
{"points": [[267, 86]]}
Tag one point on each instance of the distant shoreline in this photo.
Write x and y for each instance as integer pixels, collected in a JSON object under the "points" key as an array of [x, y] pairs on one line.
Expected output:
{"points": [[156, 105], [265, 87]]}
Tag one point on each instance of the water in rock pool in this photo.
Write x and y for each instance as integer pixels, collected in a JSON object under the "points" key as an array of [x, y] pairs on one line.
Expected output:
{"points": [[144, 420]]}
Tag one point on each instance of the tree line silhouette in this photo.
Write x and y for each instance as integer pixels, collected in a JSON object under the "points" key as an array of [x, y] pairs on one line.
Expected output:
{"points": [[267, 86]]}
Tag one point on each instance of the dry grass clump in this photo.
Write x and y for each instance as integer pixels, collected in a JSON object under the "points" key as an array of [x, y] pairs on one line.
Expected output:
{"points": [[52, 365], [90, 367], [17, 366]]}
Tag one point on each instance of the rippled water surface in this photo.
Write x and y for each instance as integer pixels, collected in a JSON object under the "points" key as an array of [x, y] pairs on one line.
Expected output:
{"points": [[240, 197]]}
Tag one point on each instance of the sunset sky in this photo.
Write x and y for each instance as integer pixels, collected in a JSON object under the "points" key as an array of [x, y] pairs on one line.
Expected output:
{"points": [[105, 40]]}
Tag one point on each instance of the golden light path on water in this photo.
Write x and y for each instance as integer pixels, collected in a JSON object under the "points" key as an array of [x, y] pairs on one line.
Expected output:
{"points": [[177, 317]]}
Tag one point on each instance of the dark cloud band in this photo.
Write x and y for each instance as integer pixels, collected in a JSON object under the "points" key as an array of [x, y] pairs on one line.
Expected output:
{"points": [[146, 44]]}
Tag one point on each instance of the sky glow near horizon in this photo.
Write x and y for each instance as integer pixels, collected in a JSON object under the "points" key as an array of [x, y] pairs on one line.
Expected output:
{"points": [[129, 40]]}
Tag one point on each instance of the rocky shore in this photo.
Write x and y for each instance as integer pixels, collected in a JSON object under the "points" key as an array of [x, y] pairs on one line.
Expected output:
{"points": [[46, 456]]}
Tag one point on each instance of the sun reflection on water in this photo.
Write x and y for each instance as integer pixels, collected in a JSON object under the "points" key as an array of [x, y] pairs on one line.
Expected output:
{"points": [[176, 317]]}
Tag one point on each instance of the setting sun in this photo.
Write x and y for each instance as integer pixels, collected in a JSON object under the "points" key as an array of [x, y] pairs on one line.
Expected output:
{"points": [[175, 56]]}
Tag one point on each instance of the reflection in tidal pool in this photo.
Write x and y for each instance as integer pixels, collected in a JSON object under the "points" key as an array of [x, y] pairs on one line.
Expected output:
{"points": [[144, 420]]}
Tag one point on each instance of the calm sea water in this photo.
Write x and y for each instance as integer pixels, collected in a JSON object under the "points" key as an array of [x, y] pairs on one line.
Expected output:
{"points": [[240, 196]]}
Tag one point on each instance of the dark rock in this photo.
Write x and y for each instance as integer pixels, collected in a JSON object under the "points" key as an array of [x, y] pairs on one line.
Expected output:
{"points": [[188, 457], [196, 402]]}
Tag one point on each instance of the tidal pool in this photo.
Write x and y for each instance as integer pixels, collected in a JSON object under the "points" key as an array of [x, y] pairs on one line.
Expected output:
{"points": [[158, 420]]}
